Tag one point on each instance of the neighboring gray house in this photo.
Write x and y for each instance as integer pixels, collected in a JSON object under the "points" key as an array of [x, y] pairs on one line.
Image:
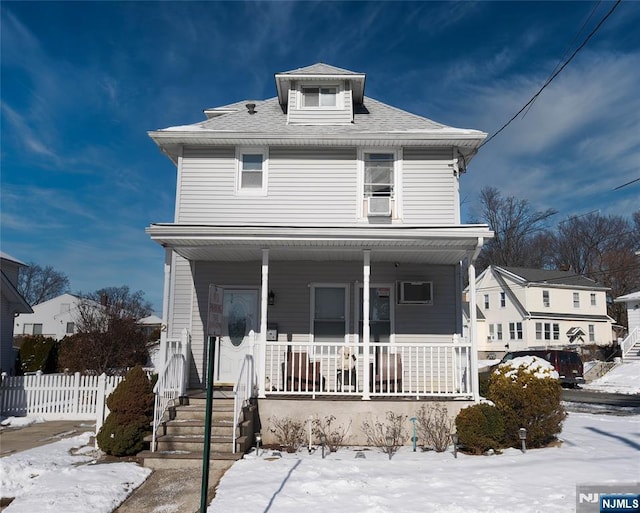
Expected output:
{"points": [[332, 223], [631, 344], [12, 303]]}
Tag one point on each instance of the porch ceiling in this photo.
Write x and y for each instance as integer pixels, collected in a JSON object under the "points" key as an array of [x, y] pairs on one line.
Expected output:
{"points": [[423, 245]]}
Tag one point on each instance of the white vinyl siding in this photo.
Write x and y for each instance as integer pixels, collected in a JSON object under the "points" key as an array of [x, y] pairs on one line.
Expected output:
{"points": [[429, 187], [309, 186]]}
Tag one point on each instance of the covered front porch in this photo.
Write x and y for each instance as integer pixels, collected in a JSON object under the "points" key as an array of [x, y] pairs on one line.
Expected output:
{"points": [[362, 313]]}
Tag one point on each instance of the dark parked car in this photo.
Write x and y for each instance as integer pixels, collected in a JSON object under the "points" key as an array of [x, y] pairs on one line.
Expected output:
{"points": [[568, 364]]}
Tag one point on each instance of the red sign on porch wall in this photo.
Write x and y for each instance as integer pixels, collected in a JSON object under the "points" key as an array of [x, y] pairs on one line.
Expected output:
{"points": [[214, 315]]}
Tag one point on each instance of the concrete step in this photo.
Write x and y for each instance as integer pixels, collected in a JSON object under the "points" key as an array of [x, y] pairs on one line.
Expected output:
{"points": [[219, 444], [196, 427], [182, 459], [200, 413]]}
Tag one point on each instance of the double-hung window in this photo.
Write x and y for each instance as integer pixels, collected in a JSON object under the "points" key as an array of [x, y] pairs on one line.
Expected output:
{"points": [[252, 171], [379, 179], [503, 299], [320, 97], [546, 302], [576, 300]]}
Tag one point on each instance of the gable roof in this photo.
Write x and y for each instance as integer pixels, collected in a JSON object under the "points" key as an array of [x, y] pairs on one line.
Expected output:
{"points": [[9, 258], [16, 303], [634, 296], [320, 68], [548, 277]]}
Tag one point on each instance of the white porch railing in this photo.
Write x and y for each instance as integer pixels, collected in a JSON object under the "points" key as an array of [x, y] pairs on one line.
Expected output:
{"points": [[243, 391], [172, 381], [401, 369], [632, 339]]}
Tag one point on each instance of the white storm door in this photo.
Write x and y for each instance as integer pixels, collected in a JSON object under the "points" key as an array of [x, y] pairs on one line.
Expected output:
{"points": [[239, 325]]}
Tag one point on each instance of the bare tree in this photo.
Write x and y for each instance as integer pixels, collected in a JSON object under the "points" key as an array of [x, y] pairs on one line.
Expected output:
{"points": [[38, 284], [517, 228], [603, 249]]}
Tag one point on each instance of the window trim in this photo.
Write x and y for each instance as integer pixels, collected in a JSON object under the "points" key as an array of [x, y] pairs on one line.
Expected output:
{"points": [[255, 150], [503, 299], [576, 299], [546, 299], [593, 299], [396, 196]]}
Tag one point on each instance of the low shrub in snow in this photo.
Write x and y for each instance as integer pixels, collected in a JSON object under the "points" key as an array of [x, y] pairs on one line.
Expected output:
{"points": [[289, 433], [335, 435], [388, 435], [527, 393], [433, 426], [480, 427], [130, 417]]}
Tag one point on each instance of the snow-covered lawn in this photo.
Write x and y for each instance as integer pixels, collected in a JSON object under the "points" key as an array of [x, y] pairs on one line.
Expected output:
{"points": [[623, 379], [595, 449], [62, 477]]}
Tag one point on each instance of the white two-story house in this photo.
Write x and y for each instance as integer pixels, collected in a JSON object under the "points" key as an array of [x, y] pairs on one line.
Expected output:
{"points": [[330, 222], [526, 308]]}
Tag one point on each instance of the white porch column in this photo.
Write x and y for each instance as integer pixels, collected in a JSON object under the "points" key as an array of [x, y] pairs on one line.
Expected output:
{"points": [[473, 326], [366, 328], [262, 339], [164, 328]]}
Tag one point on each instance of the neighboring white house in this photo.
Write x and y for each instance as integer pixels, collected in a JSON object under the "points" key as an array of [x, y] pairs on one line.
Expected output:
{"points": [[55, 318], [11, 303], [527, 308], [633, 309], [329, 219]]}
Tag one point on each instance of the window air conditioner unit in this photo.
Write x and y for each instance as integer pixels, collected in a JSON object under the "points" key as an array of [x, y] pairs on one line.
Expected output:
{"points": [[379, 206]]}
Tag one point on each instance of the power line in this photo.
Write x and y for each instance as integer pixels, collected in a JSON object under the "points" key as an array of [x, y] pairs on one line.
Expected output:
{"points": [[628, 183], [554, 75]]}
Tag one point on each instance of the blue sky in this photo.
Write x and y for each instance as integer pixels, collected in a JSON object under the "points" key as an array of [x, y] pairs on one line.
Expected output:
{"points": [[83, 82]]}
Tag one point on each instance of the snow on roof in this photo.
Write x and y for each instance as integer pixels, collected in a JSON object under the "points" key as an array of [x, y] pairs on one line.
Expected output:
{"points": [[634, 296], [6, 256], [152, 319]]}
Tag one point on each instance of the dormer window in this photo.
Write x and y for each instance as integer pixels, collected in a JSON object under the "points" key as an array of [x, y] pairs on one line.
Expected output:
{"points": [[319, 97]]}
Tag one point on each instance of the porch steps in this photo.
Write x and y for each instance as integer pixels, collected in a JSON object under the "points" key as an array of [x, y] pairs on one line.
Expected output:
{"points": [[180, 438], [633, 354]]}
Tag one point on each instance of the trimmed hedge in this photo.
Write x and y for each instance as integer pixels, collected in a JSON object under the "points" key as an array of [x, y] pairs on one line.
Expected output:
{"points": [[38, 353], [480, 427]]}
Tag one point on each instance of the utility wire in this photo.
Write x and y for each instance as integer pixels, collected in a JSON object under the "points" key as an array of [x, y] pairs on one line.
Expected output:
{"points": [[628, 183], [550, 79]]}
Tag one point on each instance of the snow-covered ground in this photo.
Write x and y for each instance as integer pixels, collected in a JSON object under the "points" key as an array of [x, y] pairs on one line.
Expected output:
{"points": [[623, 379], [63, 476]]}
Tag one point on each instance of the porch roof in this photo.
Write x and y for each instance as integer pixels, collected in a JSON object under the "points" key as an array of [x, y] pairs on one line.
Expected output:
{"points": [[417, 244]]}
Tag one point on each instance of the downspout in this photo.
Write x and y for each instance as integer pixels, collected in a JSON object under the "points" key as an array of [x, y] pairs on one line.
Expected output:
{"points": [[473, 326]]}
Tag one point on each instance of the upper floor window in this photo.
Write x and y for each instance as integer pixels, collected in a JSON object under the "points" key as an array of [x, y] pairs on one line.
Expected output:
{"points": [[319, 96], [71, 328], [486, 301], [252, 167], [576, 300], [593, 299], [379, 179], [503, 300], [545, 298]]}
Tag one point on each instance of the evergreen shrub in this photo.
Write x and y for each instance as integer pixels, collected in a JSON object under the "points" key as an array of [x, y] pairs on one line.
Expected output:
{"points": [[528, 394], [130, 417], [38, 353], [480, 427]]}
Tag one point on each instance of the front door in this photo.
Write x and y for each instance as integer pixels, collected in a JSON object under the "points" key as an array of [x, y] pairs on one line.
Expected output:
{"points": [[239, 324]]}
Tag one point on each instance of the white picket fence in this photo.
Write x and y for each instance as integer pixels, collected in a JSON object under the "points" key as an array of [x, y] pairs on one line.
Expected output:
{"points": [[57, 396]]}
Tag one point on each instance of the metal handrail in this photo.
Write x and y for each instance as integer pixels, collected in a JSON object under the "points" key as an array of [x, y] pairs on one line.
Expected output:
{"points": [[243, 390]]}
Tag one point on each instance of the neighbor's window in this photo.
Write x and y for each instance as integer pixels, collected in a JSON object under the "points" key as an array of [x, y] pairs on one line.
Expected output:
{"points": [[538, 331], [499, 331], [378, 174], [547, 331], [593, 299], [71, 326], [37, 329], [252, 170], [486, 301], [556, 331], [545, 298], [503, 300], [592, 333], [492, 332], [319, 96], [576, 300], [515, 330]]}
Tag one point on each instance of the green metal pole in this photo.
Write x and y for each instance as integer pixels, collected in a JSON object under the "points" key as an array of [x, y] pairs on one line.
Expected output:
{"points": [[207, 431]]}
